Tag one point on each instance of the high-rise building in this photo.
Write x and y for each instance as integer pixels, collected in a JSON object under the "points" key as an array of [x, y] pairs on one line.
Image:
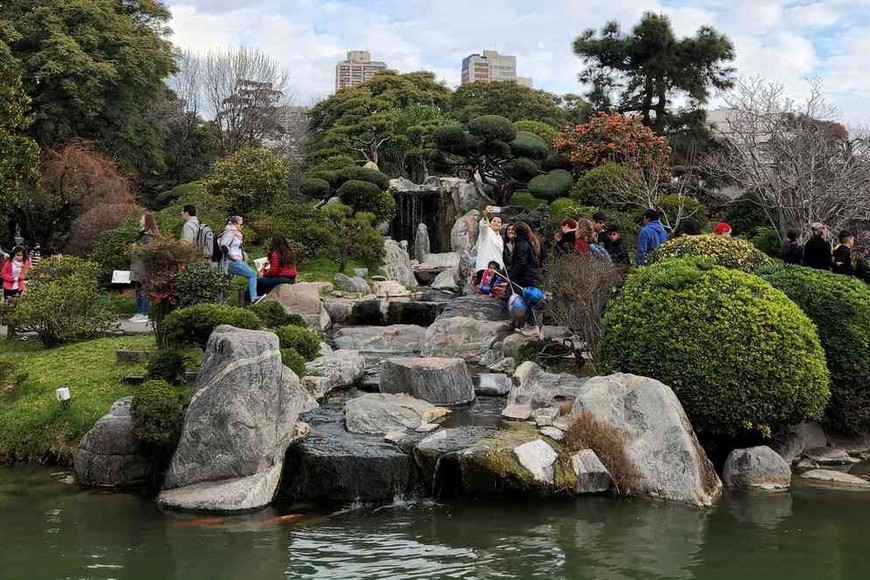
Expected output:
{"points": [[357, 69], [491, 66]]}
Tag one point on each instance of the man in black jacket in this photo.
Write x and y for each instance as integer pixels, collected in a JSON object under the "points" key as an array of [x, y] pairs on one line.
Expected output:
{"points": [[817, 250], [843, 254]]}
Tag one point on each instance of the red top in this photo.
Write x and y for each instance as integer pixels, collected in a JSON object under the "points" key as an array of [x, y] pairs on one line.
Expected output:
{"points": [[581, 246], [9, 281], [278, 270]]}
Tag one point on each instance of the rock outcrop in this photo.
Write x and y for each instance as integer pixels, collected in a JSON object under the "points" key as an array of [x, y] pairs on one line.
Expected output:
{"points": [[461, 336], [110, 455], [384, 413], [344, 369], [756, 468], [421, 242], [397, 264], [302, 299], [398, 339], [464, 233], [237, 426], [441, 381], [592, 476], [354, 285], [659, 441]]}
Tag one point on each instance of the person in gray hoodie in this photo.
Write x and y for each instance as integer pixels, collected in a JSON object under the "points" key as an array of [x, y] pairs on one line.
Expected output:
{"points": [[652, 235], [190, 229]]}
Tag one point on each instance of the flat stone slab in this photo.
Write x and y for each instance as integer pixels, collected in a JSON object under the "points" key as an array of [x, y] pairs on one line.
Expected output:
{"points": [[539, 458], [830, 456], [385, 412], [441, 381], [229, 495], [836, 478]]}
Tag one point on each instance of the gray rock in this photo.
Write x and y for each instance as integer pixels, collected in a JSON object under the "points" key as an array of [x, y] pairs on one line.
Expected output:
{"points": [[357, 285], [537, 388], [835, 478], [552, 432], [383, 413], [237, 426], [339, 310], [109, 454], [397, 264], [517, 412], [796, 439], [493, 384], [805, 465], [391, 289], [851, 443], [463, 235], [539, 458], [442, 381], [592, 476], [505, 365], [554, 332], [419, 312], [464, 337], [545, 416], [392, 340], [421, 242], [447, 260], [446, 280], [756, 468], [343, 369], [302, 299], [829, 456], [466, 195], [478, 307], [659, 441], [512, 344]]}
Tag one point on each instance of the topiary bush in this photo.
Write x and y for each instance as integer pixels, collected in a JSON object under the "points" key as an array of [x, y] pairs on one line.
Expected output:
{"points": [[194, 324], [526, 200], [158, 413], [315, 188], [303, 340], [493, 128], [273, 315], [737, 352], [840, 308], [547, 133], [167, 365], [728, 252], [365, 196], [597, 185], [199, 283], [529, 145], [363, 174], [551, 185], [291, 358]]}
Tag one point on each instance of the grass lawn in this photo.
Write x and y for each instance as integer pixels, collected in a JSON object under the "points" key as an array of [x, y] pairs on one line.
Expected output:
{"points": [[33, 425], [324, 269]]}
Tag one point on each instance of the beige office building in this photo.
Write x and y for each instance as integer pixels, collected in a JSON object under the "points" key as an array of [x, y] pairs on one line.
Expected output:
{"points": [[491, 66], [357, 69]]}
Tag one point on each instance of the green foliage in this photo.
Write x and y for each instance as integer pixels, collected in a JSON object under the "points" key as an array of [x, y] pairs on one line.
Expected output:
{"points": [[522, 169], [304, 341], [60, 303], [839, 306], [11, 378], [185, 190], [158, 413], [513, 101], [363, 174], [719, 250], [210, 209], [199, 283], [309, 230], [333, 163], [555, 161], [596, 186], [248, 179], [273, 315], [315, 188], [737, 352], [365, 196], [352, 235], [167, 365], [551, 185], [678, 208], [526, 200], [295, 361], [492, 128], [529, 145], [194, 324], [164, 260], [767, 240], [112, 250], [546, 132], [746, 214]]}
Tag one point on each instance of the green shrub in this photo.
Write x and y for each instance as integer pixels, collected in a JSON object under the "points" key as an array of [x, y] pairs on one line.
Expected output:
{"points": [[11, 377], [529, 145], [194, 324], [596, 187], [167, 365], [719, 250], [555, 161], [551, 185], [248, 178], [547, 133], [291, 358], [522, 169], [61, 302], [526, 200], [365, 196], [738, 353], [306, 342], [363, 174], [767, 240], [840, 308], [315, 188], [331, 177], [273, 315], [746, 214], [210, 209], [687, 208], [309, 231], [332, 163], [112, 250], [199, 283], [492, 128], [158, 413]]}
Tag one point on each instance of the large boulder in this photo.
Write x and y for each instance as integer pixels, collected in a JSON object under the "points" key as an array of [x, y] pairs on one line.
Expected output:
{"points": [[536, 389], [398, 339], [421, 242], [465, 337], [477, 306], [302, 299], [348, 284], [440, 261], [756, 468], [385, 413], [237, 426], [442, 381], [397, 264], [109, 454], [463, 234], [334, 370], [446, 280], [659, 443], [466, 195], [340, 310]]}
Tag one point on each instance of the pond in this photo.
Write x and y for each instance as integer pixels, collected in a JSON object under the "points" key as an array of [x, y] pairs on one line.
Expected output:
{"points": [[50, 530]]}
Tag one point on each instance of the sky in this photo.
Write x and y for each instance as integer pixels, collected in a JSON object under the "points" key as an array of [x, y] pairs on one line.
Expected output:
{"points": [[784, 41]]}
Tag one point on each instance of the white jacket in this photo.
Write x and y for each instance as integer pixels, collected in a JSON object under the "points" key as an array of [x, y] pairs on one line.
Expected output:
{"points": [[490, 247]]}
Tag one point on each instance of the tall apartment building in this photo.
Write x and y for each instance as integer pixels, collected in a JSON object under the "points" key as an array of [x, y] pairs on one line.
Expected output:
{"points": [[491, 66], [357, 69]]}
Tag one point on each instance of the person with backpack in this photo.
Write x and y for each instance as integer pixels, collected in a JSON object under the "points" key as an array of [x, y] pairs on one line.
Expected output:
{"points": [[231, 244], [190, 229], [281, 265], [148, 232]]}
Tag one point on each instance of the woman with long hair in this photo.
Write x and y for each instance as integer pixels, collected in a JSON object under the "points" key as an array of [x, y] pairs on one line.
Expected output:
{"points": [[148, 232], [509, 240], [585, 236], [525, 268], [281, 266], [490, 244], [14, 273], [233, 261], [566, 238]]}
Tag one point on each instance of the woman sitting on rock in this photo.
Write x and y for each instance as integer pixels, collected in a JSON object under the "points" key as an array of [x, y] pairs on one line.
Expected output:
{"points": [[281, 268], [490, 245]]}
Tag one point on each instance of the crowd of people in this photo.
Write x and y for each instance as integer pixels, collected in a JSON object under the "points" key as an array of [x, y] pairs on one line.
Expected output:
{"points": [[820, 253]]}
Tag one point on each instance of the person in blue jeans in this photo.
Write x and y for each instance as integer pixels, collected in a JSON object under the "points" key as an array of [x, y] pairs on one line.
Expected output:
{"points": [[233, 262], [652, 235]]}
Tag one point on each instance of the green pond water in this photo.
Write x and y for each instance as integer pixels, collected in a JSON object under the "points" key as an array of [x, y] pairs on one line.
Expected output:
{"points": [[52, 530]]}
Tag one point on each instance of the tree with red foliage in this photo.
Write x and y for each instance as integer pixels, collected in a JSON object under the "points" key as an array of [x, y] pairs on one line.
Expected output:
{"points": [[611, 137]]}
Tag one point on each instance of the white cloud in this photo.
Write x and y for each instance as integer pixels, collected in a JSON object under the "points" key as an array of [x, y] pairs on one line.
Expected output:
{"points": [[783, 40]]}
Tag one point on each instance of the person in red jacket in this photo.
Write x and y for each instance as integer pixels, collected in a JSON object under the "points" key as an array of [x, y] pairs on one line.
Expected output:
{"points": [[281, 267], [14, 273]]}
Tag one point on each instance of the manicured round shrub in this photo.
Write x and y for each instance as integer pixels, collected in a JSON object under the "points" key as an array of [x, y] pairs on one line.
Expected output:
{"points": [[199, 283], [365, 196], [303, 340], [721, 251], [194, 324], [273, 315], [167, 365], [158, 413], [596, 186], [526, 200], [291, 358], [364, 174], [737, 352], [522, 169], [493, 128], [547, 133], [840, 308], [315, 188], [529, 145], [551, 185]]}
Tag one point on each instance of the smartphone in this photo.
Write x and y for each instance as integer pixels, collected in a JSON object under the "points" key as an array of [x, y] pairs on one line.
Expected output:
{"points": [[493, 209]]}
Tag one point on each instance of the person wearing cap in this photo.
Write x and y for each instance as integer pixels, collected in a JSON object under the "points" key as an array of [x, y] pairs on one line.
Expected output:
{"points": [[817, 250], [722, 229]]}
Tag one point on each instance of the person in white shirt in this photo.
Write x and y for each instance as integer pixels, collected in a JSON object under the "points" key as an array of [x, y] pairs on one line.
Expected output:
{"points": [[490, 245], [233, 259]]}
